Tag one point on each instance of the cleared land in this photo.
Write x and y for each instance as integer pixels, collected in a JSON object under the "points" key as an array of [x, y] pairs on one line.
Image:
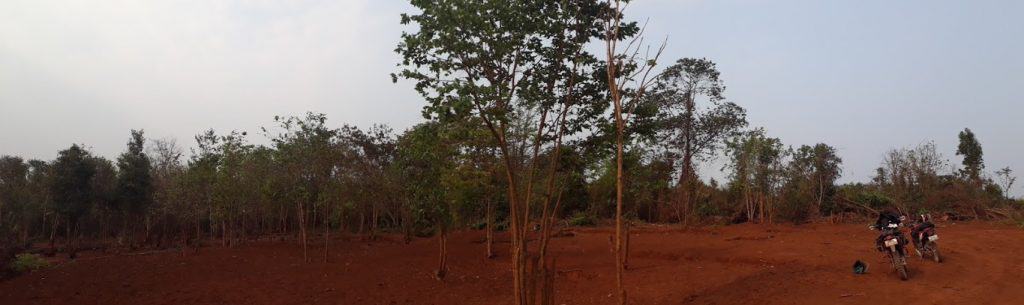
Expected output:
{"points": [[741, 264]]}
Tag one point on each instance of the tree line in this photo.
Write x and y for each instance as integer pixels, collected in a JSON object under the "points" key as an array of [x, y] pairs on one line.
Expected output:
{"points": [[443, 175]]}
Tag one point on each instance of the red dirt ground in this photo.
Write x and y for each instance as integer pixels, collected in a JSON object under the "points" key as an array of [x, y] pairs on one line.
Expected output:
{"points": [[741, 264]]}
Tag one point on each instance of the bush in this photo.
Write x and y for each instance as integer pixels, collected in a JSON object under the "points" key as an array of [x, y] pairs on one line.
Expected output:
{"points": [[875, 200], [27, 262], [581, 219]]}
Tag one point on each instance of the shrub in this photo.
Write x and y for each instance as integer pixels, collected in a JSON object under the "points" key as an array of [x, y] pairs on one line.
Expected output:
{"points": [[27, 262], [480, 225], [874, 200], [581, 219]]}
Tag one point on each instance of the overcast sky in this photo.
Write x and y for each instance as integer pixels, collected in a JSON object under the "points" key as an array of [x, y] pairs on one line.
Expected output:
{"points": [[864, 76]]}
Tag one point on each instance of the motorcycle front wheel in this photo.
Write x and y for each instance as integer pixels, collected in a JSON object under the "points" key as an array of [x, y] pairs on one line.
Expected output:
{"points": [[899, 262], [935, 253]]}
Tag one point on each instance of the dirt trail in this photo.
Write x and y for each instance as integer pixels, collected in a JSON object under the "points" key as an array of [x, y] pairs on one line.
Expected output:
{"points": [[742, 264]]}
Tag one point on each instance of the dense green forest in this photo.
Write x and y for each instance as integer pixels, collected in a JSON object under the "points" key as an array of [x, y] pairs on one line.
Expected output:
{"points": [[521, 132]]}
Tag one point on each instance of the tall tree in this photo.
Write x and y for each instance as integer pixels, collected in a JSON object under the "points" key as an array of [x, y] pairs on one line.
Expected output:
{"points": [[970, 149], [13, 198], [106, 201], [39, 198], [72, 189], [230, 191], [696, 119], [813, 173], [499, 61], [757, 170], [370, 153], [627, 78], [1006, 180], [135, 181], [168, 194], [306, 150], [911, 175], [427, 157], [199, 180], [13, 180]]}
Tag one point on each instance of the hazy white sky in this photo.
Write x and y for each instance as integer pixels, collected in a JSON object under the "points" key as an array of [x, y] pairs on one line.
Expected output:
{"points": [[864, 76]]}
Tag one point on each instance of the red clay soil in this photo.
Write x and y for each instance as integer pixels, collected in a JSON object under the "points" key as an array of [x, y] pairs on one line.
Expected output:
{"points": [[741, 264]]}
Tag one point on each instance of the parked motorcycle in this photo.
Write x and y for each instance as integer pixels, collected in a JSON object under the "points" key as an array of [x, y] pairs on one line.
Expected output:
{"points": [[892, 242], [922, 232]]}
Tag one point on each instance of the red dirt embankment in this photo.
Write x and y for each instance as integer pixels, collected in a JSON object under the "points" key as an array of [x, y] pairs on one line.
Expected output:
{"points": [[742, 264]]}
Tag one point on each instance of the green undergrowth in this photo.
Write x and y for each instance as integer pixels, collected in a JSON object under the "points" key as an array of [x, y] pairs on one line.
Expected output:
{"points": [[26, 262]]}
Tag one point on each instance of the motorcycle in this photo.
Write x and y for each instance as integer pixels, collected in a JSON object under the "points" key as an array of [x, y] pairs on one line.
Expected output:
{"points": [[892, 242], [925, 239]]}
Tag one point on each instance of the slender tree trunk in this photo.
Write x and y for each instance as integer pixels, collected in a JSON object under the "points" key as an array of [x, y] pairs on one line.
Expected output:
{"points": [[148, 225], [183, 239], [517, 219], [302, 230], [625, 259], [213, 229], [195, 221], [199, 232], [362, 221], [373, 222], [241, 236], [53, 234], [489, 214], [686, 176], [43, 224], [164, 224], [442, 240], [406, 216], [327, 230], [760, 204], [24, 235], [67, 241], [821, 195], [223, 233], [341, 223], [619, 257], [279, 221], [122, 237]]}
